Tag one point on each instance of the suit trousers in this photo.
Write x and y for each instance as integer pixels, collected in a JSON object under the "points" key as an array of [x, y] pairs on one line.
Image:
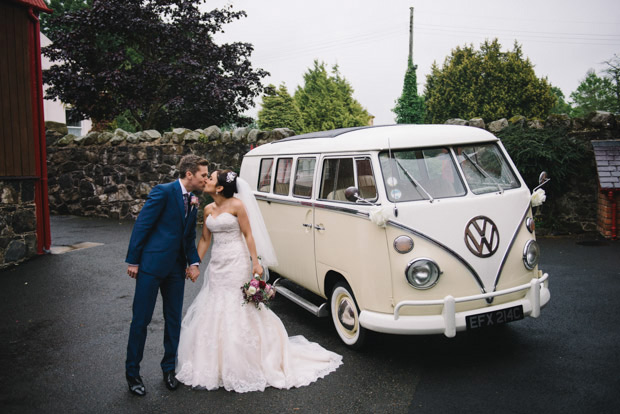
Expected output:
{"points": [[147, 286]]}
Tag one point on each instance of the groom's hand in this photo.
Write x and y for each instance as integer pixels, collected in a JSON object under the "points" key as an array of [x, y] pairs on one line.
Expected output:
{"points": [[193, 272], [132, 271]]}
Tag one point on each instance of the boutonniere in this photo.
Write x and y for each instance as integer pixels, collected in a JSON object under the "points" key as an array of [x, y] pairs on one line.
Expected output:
{"points": [[195, 201]]}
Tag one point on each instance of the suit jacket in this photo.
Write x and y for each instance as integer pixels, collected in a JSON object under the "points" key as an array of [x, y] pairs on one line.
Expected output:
{"points": [[162, 237]]}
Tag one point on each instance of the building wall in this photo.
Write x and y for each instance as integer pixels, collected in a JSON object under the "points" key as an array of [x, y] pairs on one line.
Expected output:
{"points": [[18, 237], [605, 213], [18, 223], [17, 156]]}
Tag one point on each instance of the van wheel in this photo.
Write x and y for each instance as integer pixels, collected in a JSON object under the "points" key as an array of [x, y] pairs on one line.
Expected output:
{"points": [[345, 315]]}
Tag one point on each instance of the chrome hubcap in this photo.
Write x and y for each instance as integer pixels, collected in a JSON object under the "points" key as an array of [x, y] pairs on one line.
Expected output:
{"points": [[346, 314]]}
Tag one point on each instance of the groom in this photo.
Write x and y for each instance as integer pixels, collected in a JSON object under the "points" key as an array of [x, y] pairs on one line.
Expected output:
{"points": [[161, 248]]}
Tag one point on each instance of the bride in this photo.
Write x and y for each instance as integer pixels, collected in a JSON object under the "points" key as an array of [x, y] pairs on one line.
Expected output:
{"points": [[225, 344]]}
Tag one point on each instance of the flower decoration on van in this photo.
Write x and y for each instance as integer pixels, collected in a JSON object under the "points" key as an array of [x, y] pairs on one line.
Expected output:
{"points": [[538, 197], [380, 215]]}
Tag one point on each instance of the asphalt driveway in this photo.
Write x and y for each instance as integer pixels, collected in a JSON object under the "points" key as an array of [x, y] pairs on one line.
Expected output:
{"points": [[64, 321]]}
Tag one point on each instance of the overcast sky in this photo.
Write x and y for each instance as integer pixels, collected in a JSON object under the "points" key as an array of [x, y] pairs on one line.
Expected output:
{"points": [[369, 39]]}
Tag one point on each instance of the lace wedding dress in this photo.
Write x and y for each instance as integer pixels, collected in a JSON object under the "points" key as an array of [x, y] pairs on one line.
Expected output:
{"points": [[241, 348]]}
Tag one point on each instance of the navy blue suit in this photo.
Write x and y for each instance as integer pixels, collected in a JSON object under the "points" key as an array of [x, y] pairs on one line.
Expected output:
{"points": [[163, 244]]}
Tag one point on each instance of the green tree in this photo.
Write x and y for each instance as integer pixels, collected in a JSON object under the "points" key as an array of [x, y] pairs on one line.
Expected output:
{"points": [[613, 70], [153, 60], [593, 93], [486, 83], [409, 107], [561, 106], [326, 101], [279, 110], [49, 22]]}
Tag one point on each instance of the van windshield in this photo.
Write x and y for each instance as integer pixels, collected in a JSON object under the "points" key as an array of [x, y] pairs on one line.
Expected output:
{"points": [[419, 174], [485, 168]]}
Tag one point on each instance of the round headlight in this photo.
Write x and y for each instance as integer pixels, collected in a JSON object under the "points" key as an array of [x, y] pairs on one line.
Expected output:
{"points": [[531, 254], [422, 273], [529, 223], [403, 244]]}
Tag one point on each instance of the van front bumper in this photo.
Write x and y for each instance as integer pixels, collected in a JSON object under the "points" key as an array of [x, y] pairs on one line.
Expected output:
{"points": [[450, 321]]}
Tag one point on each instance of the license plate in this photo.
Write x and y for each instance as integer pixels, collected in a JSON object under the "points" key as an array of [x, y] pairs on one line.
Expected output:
{"points": [[497, 317]]}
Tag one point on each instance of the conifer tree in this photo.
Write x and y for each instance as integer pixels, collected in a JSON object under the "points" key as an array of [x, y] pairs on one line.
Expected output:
{"points": [[410, 107], [326, 102], [279, 110]]}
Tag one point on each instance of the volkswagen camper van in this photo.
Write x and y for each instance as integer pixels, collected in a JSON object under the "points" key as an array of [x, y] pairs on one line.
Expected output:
{"points": [[402, 229]]}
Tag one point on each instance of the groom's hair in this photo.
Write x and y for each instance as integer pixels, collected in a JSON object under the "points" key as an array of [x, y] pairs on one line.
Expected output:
{"points": [[191, 163]]}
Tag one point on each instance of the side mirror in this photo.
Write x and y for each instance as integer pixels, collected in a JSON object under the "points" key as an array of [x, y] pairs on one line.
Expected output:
{"points": [[542, 177], [352, 194]]}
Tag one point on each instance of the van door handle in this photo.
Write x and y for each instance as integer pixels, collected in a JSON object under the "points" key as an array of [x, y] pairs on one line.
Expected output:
{"points": [[319, 227], [307, 225]]}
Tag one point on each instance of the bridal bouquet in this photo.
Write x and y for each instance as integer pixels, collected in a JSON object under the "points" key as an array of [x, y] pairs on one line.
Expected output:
{"points": [[257, 291]]}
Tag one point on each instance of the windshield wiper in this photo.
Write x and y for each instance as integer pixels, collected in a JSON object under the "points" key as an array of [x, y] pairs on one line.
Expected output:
{"points": [[413, 180], [483, 172]]}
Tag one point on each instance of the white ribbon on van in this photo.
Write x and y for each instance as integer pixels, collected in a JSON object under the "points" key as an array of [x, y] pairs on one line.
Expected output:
{"points": [[380, 215], [538, 197]]}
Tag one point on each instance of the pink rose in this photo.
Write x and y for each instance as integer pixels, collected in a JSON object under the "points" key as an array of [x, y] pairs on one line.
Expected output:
{"points": [[195, 201], [255, 283]]}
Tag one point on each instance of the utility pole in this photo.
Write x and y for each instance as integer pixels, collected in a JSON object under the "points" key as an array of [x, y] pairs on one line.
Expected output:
{"points": [[411, 38]]}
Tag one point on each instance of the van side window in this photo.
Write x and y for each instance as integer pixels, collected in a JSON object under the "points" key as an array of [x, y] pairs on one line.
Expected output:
{"points": [[365, 179], [337, 176], [264, 175], [283, 176], [304, 177]]}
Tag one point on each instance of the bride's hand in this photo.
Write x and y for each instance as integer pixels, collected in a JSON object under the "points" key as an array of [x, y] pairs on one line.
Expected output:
{"points": [[257, 269]]}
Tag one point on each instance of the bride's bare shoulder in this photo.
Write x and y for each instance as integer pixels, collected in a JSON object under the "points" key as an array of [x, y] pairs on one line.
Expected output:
{"points": [[237, 205], [208, 209]]}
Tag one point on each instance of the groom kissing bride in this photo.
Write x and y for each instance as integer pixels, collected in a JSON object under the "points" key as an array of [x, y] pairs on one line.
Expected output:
{"points": [[161, 254], [217, 343]]}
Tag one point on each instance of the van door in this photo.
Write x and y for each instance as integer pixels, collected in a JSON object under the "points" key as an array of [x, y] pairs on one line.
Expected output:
{"points": [[345, 241], [291, 219]]}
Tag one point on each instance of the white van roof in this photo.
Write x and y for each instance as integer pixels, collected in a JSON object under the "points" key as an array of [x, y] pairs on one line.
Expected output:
{"points": [[375, 138]]}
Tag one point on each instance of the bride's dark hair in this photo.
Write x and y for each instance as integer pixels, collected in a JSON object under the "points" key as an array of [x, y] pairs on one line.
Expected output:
{"points": [[228, 180]]}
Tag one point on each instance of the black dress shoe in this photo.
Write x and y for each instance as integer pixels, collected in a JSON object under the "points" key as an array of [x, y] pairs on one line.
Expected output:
{"points": [[171, 381], [136, 386]]}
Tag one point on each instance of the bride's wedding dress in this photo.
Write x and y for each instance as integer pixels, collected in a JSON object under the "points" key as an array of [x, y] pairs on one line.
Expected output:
{"points": [[241, 348]]}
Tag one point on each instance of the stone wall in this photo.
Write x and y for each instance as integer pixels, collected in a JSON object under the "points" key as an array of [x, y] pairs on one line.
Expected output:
{"points": [[110, 174], [18, 223]]}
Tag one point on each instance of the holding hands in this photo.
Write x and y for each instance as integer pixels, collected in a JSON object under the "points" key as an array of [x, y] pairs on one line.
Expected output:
{"points": [[192, 273]]}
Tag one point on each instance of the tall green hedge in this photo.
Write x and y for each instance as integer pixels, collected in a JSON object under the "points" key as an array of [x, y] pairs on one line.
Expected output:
{"points": [[567, 159]]}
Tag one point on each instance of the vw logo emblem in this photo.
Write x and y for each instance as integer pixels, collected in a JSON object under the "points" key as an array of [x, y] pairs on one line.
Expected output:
{"points": [[481, 236]]}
